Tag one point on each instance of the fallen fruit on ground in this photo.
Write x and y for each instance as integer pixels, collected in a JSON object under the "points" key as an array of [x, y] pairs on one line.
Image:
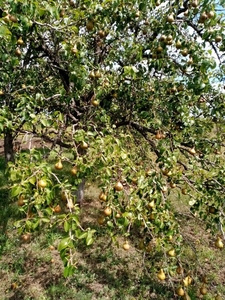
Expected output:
{"points": [[219, 243], [126, 246], [26, 237]]}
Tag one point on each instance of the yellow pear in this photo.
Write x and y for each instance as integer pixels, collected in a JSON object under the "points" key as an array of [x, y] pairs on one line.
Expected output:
{"points": [[203, 290], [219, 243], [42, 183], [101, 220], [192, 151], [141, 245], [58, 165], [164, 189], [204, 279], [178, 44], [170, 18], [170, 238], [18, 52], [74, 50], [180, 291], [171, 253], [64, 196], [187, 280], [20, 41], [90, 25], [74, 170], [126, 246], [95, 102], [151, 204], [161, 275], [20, 201], [92, 74], [107, 211], [83, 145], [98, 74], [194, 3], [101, 33], [118, 186], [102, 196], [179, 270], [172, 185], [13, 19]]}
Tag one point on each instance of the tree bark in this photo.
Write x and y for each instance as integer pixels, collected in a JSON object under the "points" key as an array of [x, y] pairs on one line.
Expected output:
{"points": [[80, 192], [8, 145]]}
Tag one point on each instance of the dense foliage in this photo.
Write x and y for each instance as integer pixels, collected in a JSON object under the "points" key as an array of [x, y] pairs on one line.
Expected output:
{"points": [[133, 91]]}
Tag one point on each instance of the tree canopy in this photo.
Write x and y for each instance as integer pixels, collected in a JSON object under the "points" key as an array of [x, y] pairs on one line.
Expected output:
{"points": [[133, 91]]}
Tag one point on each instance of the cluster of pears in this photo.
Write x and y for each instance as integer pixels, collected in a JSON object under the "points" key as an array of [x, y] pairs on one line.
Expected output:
{"points": [[95, 74], [108, 210]]}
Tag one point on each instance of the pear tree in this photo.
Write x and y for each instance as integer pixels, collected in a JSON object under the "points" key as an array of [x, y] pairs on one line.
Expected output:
{"points": [[128, 95]]}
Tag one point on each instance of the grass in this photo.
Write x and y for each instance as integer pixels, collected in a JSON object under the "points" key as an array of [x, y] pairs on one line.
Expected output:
{"points": [[104, 270]]}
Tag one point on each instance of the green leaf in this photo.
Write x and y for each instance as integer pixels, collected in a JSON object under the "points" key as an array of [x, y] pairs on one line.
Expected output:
{"points": [[44, 122], [4, 31], [89, 238], [32, 180], [66, 226], [82, 235], [110, 224], [45, 220], [68, 271], [89, 241], [49, 211], [16, 190], [142, 6], [64, 243], [35, 224]]}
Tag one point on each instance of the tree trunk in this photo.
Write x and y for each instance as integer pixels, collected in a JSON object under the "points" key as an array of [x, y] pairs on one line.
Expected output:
{"points": [[80, 189], [8, 145], [80, 192]]}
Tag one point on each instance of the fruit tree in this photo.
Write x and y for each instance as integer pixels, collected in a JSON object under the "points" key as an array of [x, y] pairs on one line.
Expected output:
{"points": [[128, 94]]}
